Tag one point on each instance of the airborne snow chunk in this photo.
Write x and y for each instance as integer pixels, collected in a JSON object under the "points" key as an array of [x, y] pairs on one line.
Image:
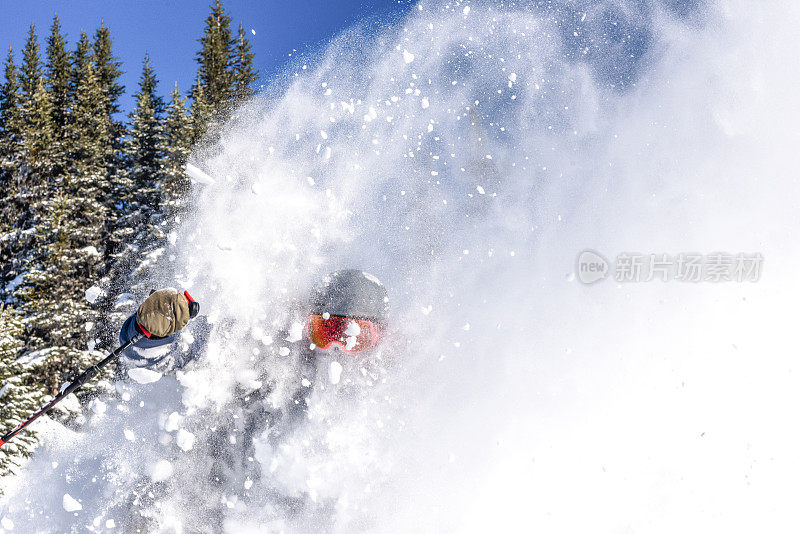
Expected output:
{"points": [[162, 470], [143, 376], [335, 372], [97, 406], [295, 333], [185, 440], [93, 293], [173, 422], [408, 57], [198, 176], [352, 332], [70, 504]]}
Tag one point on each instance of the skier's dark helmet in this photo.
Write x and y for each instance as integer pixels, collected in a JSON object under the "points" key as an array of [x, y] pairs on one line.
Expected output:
{"points": [[349, 309]]}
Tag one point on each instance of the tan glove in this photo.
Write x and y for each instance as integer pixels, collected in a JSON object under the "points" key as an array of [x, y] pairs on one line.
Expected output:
{"points": [[164, 313]]}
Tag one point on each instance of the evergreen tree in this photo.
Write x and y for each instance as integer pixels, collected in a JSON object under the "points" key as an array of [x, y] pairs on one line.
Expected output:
{"points": [[17, 399], [146, 148], [225, 73], [90, 123], [58, 74], [202, 112], [215, 58], [243, 73], [108, 69], [10, 118], [12, 241], [10, 144], [31, 70], [37, 123], [178, 130]]}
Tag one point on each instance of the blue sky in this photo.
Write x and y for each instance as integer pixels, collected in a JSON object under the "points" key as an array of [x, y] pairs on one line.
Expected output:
{"points": [[169, 30]]}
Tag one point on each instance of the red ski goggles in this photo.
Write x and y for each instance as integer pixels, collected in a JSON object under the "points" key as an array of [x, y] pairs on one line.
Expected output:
{"points": [[352, 335]]}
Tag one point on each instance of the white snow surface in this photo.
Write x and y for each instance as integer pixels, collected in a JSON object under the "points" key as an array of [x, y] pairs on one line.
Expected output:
{"points": [[616, 407]]}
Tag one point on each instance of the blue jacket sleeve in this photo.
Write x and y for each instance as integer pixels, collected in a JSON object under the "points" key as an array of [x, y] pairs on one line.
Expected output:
{"points": [[156, 354]]}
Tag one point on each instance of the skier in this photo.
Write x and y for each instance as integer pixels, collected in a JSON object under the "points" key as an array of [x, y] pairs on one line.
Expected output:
{"points": [[347, 311]]}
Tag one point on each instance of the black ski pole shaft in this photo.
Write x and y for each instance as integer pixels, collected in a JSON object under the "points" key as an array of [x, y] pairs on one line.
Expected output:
{"points": [[80, 380]]}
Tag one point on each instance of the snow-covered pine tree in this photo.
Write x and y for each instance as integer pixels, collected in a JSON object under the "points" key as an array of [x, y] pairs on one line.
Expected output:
{"points": [[214, 58], [11, 206], [146, 147], [108, 72], [178, 132], [224, 74], [57, 70], [18, 400], [242, 68], [36, 131], [201, 112]]}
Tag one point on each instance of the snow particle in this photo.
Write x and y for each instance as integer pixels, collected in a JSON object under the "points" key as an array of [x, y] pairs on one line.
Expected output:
{"points": [[408, 57], [173, 422], [93, 293], [143, 376], [162, 470], [129, 435], [70, 504], [295, 333], [185, 440], [335, 372], [466, 10]]}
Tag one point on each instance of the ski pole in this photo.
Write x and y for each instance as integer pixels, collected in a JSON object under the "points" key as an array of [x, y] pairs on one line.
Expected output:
{"points": [[84, 377]]}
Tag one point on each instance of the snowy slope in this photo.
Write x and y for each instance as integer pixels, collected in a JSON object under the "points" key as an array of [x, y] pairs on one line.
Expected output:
{"points": [[465, 159]]}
